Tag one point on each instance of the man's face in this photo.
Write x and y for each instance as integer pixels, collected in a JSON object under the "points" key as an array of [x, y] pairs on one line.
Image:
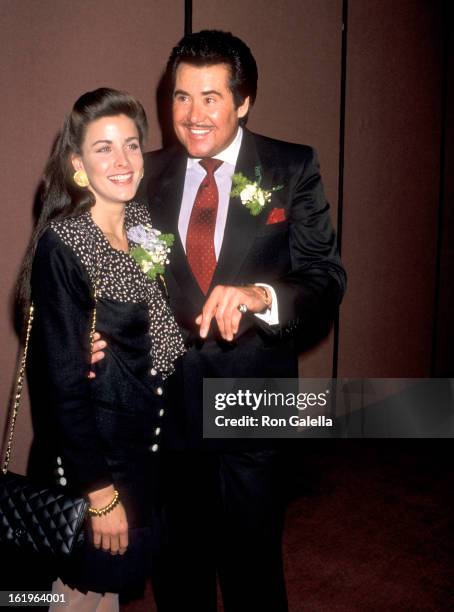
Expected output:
{"points": [[204, 115]]}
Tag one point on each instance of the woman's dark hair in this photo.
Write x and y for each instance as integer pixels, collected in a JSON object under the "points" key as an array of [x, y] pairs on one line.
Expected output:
{"points": [[60, 196], [209, 47]]}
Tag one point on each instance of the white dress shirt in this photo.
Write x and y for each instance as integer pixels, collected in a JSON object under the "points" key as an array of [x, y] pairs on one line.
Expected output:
{"points": [[223, 177]]}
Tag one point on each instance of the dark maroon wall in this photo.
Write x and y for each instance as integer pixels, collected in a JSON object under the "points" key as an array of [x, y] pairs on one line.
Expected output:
{"points": [[391, 195]]}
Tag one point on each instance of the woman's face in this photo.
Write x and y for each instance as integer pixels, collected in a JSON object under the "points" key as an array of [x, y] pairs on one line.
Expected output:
{"points": [[112, 159]]}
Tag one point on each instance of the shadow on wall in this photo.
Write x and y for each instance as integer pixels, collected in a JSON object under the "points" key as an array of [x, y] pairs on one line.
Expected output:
{"points": [[164, 110]]}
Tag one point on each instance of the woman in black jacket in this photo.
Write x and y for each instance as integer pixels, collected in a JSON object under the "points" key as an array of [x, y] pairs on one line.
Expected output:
{"points": [[100, 434]]}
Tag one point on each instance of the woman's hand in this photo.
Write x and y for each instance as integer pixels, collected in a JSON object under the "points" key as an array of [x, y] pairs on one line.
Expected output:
{"points": [[110, 531]]}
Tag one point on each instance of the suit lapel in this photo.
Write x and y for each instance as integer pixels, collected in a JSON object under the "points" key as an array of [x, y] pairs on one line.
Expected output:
{"points": [[165, 192], [241, 226]]}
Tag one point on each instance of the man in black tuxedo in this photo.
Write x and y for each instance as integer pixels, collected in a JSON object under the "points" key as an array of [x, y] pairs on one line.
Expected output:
{"points": [[225, 508], [245, 289]]}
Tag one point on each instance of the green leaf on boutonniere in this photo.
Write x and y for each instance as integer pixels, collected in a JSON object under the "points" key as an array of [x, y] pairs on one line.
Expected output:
{"points": [[151, 252]]}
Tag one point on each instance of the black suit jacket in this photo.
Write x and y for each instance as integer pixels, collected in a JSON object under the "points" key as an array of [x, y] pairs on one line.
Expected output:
{"points": [[297, 256]]}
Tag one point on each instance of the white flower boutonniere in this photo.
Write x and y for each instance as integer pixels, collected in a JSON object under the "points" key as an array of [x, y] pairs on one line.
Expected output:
{"points": [[153, 248], [251, 194]]}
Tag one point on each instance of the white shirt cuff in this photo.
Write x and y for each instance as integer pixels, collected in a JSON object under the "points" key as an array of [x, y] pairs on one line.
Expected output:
{"points": [[271, 315]]}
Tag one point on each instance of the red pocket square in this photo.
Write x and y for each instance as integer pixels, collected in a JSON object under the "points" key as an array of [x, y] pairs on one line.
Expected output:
{"points": [[277, 215]]}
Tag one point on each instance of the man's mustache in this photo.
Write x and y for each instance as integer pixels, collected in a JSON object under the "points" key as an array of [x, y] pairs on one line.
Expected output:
{"points": [[198, 126]]}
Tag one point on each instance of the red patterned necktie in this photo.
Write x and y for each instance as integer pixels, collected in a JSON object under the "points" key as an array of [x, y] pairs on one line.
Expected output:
{"points": [[200, 237]]}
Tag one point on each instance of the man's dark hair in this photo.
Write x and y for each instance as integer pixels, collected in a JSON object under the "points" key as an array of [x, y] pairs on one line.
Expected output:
{"points": [[210, 47]]}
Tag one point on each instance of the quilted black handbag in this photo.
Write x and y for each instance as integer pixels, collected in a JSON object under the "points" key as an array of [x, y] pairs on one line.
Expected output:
{"points": [[34, 517]]}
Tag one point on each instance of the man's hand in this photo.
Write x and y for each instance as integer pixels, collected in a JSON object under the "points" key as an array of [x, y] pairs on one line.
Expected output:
{"points": [[222, 304], [96, 351]]}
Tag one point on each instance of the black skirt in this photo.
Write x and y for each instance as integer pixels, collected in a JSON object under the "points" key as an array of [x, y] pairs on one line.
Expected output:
{"points": [[92, 569]]}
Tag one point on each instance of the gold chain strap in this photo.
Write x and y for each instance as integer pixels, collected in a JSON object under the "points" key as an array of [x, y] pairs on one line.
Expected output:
{"points": [[20, 379], [18, 390], [93, 322]]}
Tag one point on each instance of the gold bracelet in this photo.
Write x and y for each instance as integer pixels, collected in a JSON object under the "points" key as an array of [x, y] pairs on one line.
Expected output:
{"points": [[265, 295], [110, 506]]}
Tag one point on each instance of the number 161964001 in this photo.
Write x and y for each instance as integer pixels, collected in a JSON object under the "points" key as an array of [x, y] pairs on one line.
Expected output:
{"points": [[30, 598]]}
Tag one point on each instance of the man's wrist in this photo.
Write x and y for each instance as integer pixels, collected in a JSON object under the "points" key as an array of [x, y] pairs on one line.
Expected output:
{"points": [[265, 295], [262, 294], [271, 313]]}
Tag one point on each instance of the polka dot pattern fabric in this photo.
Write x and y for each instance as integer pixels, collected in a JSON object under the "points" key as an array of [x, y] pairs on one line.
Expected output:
{"points": [[117, 276]]}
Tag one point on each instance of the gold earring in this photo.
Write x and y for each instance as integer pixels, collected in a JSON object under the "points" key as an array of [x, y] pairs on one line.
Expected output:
{"points": [[141, 175], [80, 178]]}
